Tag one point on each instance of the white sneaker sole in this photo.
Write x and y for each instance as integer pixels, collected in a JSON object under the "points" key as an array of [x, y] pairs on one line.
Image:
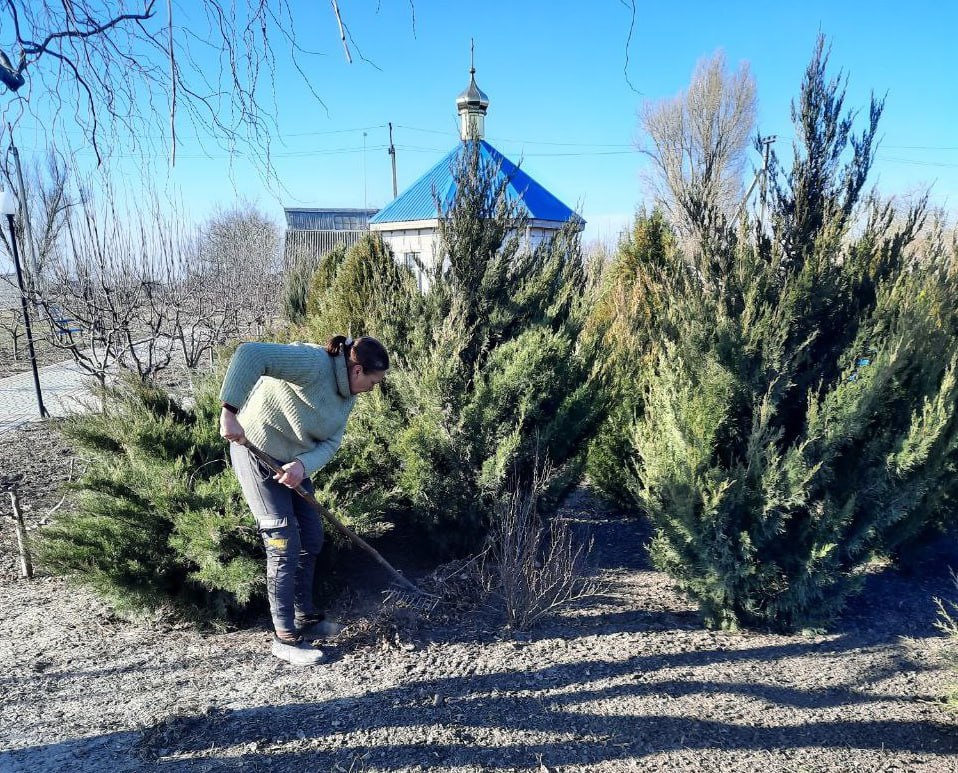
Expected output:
{"points": [[297, 655]]}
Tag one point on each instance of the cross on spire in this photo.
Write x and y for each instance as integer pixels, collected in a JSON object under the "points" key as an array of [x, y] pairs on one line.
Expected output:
{"points": [[472, 103]]}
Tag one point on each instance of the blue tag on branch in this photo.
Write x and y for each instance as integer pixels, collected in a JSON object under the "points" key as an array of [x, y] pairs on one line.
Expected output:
{"points": [[863, 361]]}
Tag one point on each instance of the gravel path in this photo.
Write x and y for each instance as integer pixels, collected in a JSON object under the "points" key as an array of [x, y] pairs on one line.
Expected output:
{"points": [[629, 681]]}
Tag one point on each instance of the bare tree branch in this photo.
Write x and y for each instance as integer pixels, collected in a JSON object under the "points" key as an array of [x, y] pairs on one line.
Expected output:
{"points": [[342, 31], [31, 48], [169, 11], [116, 73]]}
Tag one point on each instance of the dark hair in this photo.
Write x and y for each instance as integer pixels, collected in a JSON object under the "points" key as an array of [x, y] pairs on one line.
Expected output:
{"points": [[365, 351]]}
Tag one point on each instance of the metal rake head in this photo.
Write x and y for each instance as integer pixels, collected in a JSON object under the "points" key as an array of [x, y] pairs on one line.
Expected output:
{"points": [[403, 597]]}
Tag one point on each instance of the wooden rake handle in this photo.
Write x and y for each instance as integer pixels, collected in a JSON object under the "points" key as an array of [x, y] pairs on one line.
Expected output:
{"points": [[338, 525]]}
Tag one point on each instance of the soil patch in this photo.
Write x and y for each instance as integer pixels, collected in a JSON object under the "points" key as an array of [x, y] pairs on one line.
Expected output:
{"points": [[629, 681], [46, 353]]}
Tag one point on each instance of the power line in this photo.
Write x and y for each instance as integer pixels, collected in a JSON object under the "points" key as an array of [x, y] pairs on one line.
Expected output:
{"points": [[215, 156], [196, 137], [883, 146], [918, 162], [600, 149], [523, 142], [420, 149]]}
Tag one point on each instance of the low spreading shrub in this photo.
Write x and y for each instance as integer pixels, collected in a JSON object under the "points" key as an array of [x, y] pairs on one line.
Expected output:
{"points": [[157, 520]]}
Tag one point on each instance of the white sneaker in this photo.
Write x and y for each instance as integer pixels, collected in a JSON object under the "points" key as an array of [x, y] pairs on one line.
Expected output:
{"points": [[320, 628], [300, 653]]}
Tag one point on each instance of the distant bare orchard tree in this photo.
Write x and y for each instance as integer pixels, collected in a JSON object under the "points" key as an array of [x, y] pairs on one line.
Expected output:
{"points": [[698, 142], [106, 291], [11, 322], [131, 286], [230, 283]]}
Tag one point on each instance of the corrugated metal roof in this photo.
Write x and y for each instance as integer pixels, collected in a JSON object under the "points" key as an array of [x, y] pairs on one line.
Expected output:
{"points": [[328, 219], [418, 202]]}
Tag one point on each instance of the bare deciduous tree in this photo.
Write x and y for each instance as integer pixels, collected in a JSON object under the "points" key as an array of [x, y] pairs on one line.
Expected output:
{"points": [[230, 281], [129, 287], [698, 142], [11, 322], [125, 72], [105, 292], [242, 245]]}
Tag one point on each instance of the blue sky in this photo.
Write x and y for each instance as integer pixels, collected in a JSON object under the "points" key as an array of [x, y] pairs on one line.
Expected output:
{"points": [[565, 80]]}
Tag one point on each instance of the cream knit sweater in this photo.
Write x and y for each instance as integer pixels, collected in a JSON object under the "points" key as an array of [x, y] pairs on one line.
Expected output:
{"points": [[294, 400]]}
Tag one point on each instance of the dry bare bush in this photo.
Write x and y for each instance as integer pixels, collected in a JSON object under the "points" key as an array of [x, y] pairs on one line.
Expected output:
{"points": [[533, 567], [947, 623]]}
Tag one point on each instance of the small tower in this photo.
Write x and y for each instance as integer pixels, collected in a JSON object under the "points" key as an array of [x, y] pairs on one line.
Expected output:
{"points": [[472, 105], [410, 223]]}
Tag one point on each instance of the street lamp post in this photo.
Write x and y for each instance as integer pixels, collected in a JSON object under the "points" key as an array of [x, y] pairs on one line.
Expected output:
{"points": [[8, 206]]}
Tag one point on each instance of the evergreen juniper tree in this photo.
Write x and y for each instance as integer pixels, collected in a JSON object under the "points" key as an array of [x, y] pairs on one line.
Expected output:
{"points": [[489, 373], [798, 404], [157, 520]]}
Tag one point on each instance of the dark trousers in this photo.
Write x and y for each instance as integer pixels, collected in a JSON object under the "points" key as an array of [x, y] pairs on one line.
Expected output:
{"points": [[292, 532]]}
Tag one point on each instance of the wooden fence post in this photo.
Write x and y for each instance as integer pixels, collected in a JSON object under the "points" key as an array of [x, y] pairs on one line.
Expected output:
{"points": [[26, 566]]}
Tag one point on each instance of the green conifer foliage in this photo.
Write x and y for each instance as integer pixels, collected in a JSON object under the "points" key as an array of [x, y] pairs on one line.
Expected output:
{"points": [[620, 328], [798, 402], [362, 291], [158, 520], [487, 368], [305, 270]]}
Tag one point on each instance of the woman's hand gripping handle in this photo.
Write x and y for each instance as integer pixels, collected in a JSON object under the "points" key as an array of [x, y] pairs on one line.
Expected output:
{"points": [[290, 475], [230, 428]]}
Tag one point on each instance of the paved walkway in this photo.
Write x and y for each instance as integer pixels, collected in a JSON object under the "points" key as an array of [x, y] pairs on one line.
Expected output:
{"points": [[63, 388]]}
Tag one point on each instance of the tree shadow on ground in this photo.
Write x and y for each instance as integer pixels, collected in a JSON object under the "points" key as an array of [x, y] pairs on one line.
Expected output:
{"points": [[552, 701], [451, 719]]}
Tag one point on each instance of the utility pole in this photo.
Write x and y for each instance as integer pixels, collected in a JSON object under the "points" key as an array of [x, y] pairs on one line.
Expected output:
{"points": [[761, 175], [766, 151], [392, 155], [34, 268], [365, 206]]}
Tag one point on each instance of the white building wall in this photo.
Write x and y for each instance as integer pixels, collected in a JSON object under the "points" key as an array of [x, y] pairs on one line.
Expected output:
{"points": [[422, 240], [423, 243]]}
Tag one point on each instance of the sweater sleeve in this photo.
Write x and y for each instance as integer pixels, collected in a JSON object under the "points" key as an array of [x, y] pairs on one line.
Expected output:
{"points": [[318, 457], [295, 363]]}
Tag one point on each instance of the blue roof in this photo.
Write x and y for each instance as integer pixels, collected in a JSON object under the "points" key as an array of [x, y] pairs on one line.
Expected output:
{"points": [[418, 202]]}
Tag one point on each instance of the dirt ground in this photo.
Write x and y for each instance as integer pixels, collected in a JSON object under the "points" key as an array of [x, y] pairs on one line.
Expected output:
{"points": [[628, 681], [45, 352]]}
